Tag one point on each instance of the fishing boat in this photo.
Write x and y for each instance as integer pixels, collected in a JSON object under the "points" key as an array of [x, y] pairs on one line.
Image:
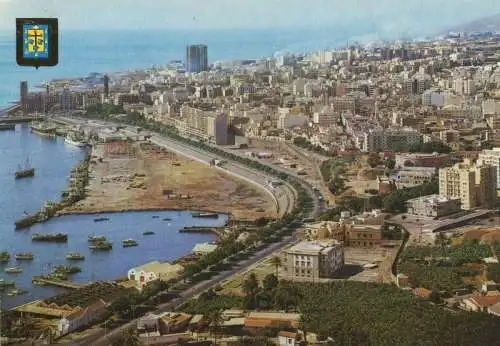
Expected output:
{"points": [[50, 237], [4, 256], [14, 270], [73, 140], [167, 219], [96, 238], [100, 219], [206, 215], [101, 245], [148, 233], [6, 283], [67, 269], [7, 127], [43, 129], [129, 243], [74, 256], [17, 292], [25, 172], [24, 256], [155, 216]]}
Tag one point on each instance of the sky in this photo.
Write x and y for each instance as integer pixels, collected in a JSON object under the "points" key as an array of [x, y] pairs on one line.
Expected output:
{"points": [[407, 16]]}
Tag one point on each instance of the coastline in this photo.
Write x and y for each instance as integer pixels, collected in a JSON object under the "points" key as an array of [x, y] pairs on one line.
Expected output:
{"points": [[142, 209]]}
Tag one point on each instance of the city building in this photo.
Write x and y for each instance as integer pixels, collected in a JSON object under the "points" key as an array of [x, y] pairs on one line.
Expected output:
{"points": [[348, 233], [471, 183], [81, 318], [398, 140], [492, 158], [433, 205], [196, 58], [312, 260], [153, 271]]}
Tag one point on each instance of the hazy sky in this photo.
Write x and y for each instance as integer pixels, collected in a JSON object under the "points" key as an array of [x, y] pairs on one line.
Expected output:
{"points": [[388, 15]]}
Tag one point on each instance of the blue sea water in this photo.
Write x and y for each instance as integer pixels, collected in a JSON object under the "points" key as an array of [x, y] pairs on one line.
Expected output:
{"points": [[83, 52]]}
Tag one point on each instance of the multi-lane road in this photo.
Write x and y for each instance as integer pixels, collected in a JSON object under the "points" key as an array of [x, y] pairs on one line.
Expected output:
{"points": [[285, 198]]}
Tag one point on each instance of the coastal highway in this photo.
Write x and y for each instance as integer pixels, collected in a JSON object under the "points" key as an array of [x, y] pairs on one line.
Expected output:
{"points": [[100, 338]]}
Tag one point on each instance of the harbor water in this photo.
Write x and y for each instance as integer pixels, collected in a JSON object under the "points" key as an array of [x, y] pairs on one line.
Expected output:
{"points": [[53, 160]]}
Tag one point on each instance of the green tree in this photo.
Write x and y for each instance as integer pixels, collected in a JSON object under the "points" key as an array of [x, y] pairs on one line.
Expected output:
{"points": [[276, 262], [270, 282], [251, 289], [126, 338], [374, 160]]}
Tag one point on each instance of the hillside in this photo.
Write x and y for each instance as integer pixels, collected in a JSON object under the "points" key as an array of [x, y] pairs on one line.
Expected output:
{"points": [[490, 23]]}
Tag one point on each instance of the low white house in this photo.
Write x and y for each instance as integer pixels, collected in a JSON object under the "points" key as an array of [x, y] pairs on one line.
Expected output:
{"points": [[204, 248], [81, 318], [288, 339], [154, 271]]}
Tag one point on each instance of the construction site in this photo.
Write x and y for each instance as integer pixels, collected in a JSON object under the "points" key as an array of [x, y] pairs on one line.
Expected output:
{"points": [[133, 176]]}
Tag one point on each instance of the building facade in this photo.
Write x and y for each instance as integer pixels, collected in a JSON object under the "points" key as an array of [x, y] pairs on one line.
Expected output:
{"points": [[433, 205], [196, 58], [471, 183], [492, 158], [310, 260]]}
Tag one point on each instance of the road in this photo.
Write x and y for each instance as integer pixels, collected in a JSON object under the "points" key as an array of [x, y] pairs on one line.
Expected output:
{"points": [[100, 339]]}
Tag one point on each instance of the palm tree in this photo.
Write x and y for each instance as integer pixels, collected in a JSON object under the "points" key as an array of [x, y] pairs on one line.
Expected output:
{"points": [[216, 321], [127, 337], [276, 262]]}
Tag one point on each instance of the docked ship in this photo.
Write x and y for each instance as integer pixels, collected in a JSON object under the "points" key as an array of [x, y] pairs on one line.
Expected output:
{"points": [[25, 172], [7, 127], [14, 270], [6, 283], [17, 292], [67, 269], [129, 243], [50, 237], [75, 256], [24, 256], [102, 245], [96, 238], [43, 129], [74, 140], [206, 215], [4, 256]]}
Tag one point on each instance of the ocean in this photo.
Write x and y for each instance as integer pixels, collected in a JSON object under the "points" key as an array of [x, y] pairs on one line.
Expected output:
{"points": [[83, 52]]}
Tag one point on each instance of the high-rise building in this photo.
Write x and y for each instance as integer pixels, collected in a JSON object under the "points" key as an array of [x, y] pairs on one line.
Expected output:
{"points": [[196, 58], [106, 86], [471, 183], [491, 157], [23, 91]]}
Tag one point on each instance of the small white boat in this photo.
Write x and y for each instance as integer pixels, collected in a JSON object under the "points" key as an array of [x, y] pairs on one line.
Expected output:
{"points": [[74, 142], [14, 270]]}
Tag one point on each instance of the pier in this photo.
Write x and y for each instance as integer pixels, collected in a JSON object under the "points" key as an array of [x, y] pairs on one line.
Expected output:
{"points": [[21, 119], [197, 229], [58, 283]]}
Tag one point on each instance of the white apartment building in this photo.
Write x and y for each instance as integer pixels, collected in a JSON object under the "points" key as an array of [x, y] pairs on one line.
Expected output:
{"points": [[492, 158], [289, 121], [311, 260], [471, 183]]}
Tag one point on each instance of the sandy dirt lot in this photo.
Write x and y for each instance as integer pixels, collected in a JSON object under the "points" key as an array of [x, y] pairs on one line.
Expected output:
{"points": [[141, 177]]}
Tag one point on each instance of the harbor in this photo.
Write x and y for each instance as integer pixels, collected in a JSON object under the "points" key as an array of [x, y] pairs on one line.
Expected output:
{"points": [[54, 160]]}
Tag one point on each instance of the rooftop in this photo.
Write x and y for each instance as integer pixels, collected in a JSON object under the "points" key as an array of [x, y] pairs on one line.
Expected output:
{"points": [[158, 267], [314, 247]]}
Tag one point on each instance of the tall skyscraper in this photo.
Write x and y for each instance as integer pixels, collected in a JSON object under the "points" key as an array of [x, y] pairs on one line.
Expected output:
{"points": [[196, 58], [23, 91], [106, 86]]}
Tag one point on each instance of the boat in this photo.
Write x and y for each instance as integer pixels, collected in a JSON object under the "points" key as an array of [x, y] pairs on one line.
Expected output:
{"points": [[67, 269], [6, 283], [4, 256], [96, 238], [74, 256], [155, 216], [72, 140], [101, 245], [43, 129], [24, 256], [206, 215], [17, 292], [129, 243], [148, 233], [100, 219], [25, 172], [7, 127], [14, 270], [167, 219], [50, 237]]}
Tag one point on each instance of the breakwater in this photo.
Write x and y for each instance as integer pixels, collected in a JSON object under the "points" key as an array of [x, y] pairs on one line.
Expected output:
{"points": [[79, 179]]}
